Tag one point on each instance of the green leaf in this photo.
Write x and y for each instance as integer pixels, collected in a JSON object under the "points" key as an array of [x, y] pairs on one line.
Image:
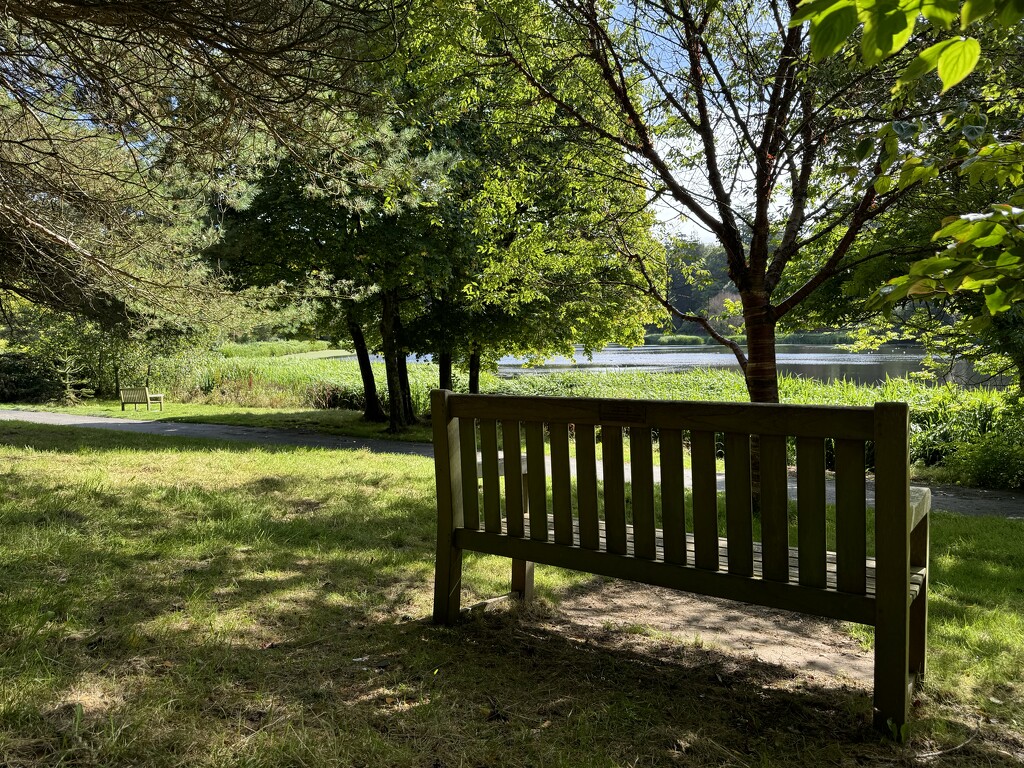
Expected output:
{"points": [[941, 13], [996, 300], [829, 33], [887, 28], [864, 148], [815, 9], [953, 227], [1010, 13], [974, 10], [958, 61], [973, 133], [883, 184], [924, 62]]}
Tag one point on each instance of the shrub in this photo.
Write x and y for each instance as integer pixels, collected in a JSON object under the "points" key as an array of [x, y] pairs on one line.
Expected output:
{"points": [[949, 418], [994, 461], [26, 378], [682, 340]]}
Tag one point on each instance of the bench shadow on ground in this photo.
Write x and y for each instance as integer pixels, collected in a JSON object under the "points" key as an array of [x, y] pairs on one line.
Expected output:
{"points": [[293, 618]]}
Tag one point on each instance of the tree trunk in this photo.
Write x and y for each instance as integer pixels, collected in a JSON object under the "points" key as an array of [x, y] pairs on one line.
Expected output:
{"points": [[474, 372], [373, 410], [761, 372], [445, 377], [408, 409], [400, 412]]}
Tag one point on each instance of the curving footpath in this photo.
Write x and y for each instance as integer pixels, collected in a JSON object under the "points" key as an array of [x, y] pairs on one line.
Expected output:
{"points": [[950, 498]]}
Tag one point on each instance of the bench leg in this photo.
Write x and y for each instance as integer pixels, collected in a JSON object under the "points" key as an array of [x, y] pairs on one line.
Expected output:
{"points": [[918, 632], [447, 580], [522, 579], [893, 680], [522, 570]]}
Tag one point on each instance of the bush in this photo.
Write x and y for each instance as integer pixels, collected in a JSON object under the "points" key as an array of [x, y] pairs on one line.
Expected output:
{"points": [[815, 337], [951, 417], [995, 461], [676, 339], [26, 378]]}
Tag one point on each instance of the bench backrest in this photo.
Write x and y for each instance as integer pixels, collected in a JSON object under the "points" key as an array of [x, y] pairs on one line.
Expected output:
{"points": [[494, 430], [135, 395]]}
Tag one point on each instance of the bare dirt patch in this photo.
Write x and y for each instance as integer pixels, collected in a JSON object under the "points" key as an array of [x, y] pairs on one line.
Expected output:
{"points": [[812, 648]]}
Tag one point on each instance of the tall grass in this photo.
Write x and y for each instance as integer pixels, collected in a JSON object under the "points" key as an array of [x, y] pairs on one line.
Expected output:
{"points": [[976, 432], [271, 348]]}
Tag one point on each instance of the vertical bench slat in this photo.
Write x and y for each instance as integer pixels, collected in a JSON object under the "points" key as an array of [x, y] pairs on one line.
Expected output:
{"points": [[851, 524], [586, 486], [561, 483], [673, 511], [470, 487], [705, 499], [892, 564], [447, 458], [536, 481], [810, 508], [491, 475], [512, 449], [738, 515], [641, 463], [614, 490], [774, 509]]}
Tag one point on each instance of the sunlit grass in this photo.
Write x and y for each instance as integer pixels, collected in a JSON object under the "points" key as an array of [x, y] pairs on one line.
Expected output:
{"points": [[169, 602]]}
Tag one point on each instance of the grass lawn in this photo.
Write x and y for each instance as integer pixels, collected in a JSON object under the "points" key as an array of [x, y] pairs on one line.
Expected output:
{"points": [[170, 602]]}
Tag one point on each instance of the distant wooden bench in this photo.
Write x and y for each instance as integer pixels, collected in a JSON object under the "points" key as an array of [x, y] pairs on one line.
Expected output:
{"points": [[140, 396], [485, 505]]}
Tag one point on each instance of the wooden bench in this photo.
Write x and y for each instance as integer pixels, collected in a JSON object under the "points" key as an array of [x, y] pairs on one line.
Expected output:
{"points": [[667, 533], [140, 396]]}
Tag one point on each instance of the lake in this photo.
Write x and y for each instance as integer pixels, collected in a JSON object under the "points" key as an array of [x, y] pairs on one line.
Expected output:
{"points": [[825, 363]]}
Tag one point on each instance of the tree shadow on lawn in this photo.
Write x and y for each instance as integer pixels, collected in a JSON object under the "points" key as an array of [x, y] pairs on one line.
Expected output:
{"points": [[241, 628]]}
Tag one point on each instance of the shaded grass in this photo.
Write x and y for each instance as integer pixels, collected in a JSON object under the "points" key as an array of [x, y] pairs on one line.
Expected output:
{"points": [[169, 602]]}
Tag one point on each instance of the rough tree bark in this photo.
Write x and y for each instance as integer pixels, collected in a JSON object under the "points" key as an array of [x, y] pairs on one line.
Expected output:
{"points": [[400, 411], [373, 410]]}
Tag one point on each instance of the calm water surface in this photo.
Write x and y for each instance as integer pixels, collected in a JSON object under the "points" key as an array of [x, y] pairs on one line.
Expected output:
{"points": [[824, 363]]}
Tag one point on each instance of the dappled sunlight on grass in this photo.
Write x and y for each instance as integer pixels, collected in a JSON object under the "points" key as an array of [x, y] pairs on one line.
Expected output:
{"points": [[169, 602]]}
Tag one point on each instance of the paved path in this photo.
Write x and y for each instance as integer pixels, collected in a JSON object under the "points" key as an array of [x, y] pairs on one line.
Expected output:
{"points": [[262, 435], [965, 501]]}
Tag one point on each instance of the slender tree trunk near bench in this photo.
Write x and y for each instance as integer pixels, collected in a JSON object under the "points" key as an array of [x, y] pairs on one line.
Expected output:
{"points": [[444, 365], [474, 372], [400, 409], [373, 410]]}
